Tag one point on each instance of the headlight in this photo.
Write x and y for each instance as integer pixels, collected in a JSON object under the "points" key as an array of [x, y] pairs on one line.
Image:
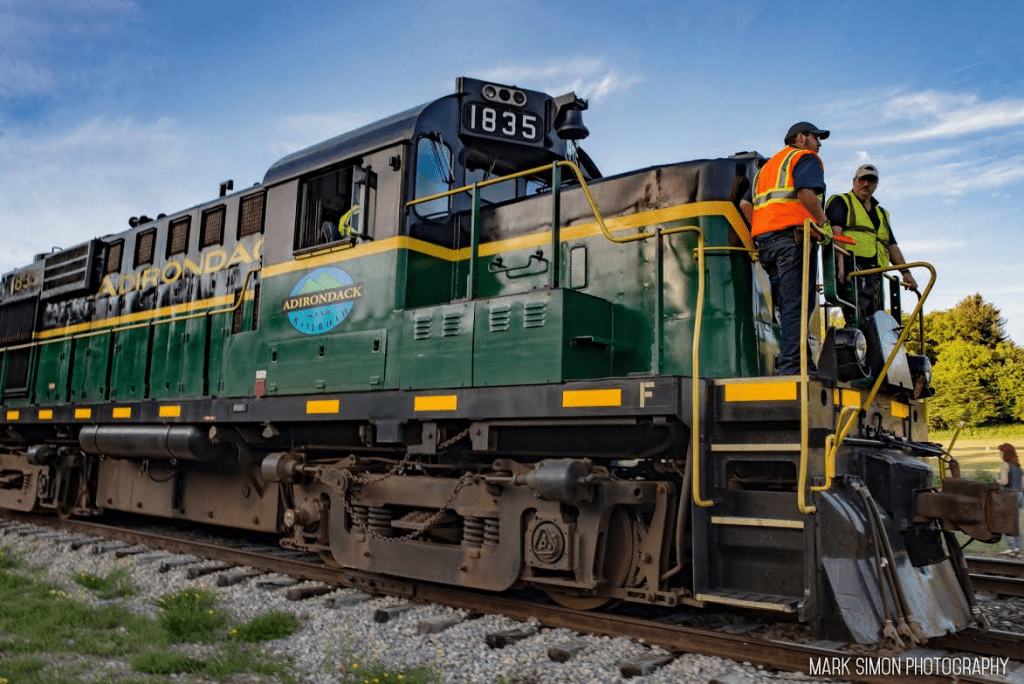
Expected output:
{"points": [[860, 347], [921, 374], [852, 340]]}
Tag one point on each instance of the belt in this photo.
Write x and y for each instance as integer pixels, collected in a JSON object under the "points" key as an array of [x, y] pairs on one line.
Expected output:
{"points": [[791, 231]]}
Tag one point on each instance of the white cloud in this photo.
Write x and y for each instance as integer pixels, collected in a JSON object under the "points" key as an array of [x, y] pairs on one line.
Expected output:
{"points": [[588, 77], [63, 189], [931, 114]]}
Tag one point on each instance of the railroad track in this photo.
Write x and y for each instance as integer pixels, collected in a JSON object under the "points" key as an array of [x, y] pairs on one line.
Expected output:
{"points": [[997, 576], [770, 653]]}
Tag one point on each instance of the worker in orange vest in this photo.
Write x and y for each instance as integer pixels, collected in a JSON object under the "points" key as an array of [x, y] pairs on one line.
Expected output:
{"points": [[788, 189]]}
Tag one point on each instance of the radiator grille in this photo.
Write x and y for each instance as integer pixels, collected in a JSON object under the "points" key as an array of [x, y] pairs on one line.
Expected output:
{"points": [[213, 227], [69, 270], [114, 253], [145, 243], [177, 238], [17, 320], [250, 215]]}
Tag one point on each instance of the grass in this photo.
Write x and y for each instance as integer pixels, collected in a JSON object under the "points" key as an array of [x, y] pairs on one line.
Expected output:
{"points": [[50, 635], [191, 615], [356, 671], [115, 584]]}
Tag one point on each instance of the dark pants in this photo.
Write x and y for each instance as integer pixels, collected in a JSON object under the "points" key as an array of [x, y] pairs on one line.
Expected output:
{"points": [[782, 257], [869, 289]]}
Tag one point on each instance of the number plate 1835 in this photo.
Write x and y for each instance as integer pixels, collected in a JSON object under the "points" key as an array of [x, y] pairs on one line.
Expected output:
{"points": [[516, 124]]}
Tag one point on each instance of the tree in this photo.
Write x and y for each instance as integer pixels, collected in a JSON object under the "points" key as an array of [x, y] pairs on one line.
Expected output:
{"points": [[971, 320], [966, 388], [1010, 381]]}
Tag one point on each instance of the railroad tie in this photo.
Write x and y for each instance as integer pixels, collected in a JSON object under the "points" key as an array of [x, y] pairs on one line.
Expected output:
{"points": [[196, 573], [274, 584], [437, 625], [238, 578], [303, 593], [133, 551], [509, 636], [564, 651], [147, 558], [100, 549], [167, 566], [75, 543], [390, 612], [644, 665], [347, 601]]}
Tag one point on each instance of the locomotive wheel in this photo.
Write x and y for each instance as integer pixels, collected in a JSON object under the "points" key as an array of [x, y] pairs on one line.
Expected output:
{"points": [[619, 555]]}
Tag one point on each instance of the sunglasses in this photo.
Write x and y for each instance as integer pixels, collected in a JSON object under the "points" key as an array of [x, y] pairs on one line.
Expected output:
{"points": [[867, 179]]}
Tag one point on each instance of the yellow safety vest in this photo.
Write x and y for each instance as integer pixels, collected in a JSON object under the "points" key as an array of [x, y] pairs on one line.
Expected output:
{"points": [[868, 242]]}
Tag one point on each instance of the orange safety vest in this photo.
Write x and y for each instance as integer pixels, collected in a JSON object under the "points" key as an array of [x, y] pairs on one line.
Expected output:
{"points": [[776, 205]]}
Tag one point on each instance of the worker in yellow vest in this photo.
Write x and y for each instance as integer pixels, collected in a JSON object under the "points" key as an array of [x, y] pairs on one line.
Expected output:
{"points": [[867, 223]]}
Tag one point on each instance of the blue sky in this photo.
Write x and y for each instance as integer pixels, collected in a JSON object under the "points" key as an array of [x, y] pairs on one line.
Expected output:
{"points": [[114, 108]]}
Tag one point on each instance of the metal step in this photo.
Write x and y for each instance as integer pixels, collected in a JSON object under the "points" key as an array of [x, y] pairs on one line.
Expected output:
{"points": [[750, 599], [768, 447]]}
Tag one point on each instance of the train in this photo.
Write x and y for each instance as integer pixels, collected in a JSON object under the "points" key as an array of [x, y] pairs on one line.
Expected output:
{"points": [[444, 347]]}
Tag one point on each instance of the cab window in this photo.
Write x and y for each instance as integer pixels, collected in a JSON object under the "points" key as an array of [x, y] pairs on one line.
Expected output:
{"points": [[325, 216], [433, 176]]}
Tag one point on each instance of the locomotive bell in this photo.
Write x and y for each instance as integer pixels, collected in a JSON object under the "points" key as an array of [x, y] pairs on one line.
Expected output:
{"points": [[572, 127]]}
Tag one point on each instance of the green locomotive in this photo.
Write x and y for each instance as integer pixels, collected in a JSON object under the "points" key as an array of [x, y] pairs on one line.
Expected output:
{"points": [[444, 347]]}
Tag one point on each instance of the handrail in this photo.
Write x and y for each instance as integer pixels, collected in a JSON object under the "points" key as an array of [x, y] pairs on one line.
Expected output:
{"points": [[949, 450], [845, 425], [801, 491]]}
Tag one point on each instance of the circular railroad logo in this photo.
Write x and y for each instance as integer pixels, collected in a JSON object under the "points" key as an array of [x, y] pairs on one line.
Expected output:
{"points": [[321, 300], [548, 543]]}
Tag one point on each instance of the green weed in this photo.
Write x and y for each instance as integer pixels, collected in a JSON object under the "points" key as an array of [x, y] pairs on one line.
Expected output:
{"points": [[166, 663], [116, 583], [356, 671], [191, 615], [273, 625]]}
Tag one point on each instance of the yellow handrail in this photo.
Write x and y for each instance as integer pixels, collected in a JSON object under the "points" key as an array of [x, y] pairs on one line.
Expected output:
{"points": [[847, 419], [949, 450], [801, 491]]}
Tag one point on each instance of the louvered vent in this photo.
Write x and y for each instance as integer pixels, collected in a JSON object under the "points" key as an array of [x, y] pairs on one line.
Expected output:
{"points": [[500, 317], [213, 228], [452, 324], [177, 236], [17, 371], [114, 253], [421, 326], [71, 270], [250, 215], [17, 320], [535, 314], [145, 243]]}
